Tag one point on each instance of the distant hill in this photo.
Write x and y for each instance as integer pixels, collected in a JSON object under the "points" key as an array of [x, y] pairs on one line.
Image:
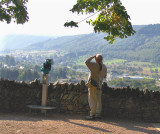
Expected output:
{"points": [[19, 41], [93, 42], [143, 46]]}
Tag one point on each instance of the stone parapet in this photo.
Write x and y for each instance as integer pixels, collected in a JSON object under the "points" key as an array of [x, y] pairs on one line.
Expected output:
{"points": [[73, 98]]}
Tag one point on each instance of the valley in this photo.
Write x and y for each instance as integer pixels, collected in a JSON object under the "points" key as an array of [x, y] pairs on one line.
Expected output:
{"points": [[136, 56]]}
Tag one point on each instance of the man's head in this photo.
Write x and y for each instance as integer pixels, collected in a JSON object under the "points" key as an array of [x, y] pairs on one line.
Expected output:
{"points": [[99, 58]]}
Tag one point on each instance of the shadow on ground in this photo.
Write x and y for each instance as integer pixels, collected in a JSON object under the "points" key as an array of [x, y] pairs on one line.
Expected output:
{"points": [[78, 120]]}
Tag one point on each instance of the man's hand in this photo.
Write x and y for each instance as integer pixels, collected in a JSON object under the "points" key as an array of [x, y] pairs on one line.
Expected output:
{"points": [[94, 57]]}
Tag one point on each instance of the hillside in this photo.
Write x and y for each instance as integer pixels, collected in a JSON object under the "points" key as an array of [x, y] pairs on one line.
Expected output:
{"points": [[143, 46], [19, 41], [75, 43]]}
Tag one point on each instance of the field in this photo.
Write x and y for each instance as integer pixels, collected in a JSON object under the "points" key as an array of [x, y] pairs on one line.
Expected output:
{"points": [[81, 61], [114, 61], [145, 67]]}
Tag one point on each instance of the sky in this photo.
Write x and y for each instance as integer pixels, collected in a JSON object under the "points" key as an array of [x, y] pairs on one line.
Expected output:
{"points": [[47, 17]]}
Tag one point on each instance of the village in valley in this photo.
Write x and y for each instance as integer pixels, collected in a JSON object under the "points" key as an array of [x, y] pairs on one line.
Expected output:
{"points": [[24, 62]]}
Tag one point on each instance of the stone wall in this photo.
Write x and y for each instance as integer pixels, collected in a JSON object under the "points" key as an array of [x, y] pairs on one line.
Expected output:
{"points": [[73, 98]]}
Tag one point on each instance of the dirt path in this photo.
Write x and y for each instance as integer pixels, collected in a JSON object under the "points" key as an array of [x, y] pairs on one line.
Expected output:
{"points": [[32, 123]]}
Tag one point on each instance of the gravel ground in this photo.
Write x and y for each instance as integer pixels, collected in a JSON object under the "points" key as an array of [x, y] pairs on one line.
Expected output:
{"points": [[32, 123]]}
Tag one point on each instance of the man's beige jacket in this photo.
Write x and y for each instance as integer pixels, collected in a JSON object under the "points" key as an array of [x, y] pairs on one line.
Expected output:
{"points": [[95, 72]]}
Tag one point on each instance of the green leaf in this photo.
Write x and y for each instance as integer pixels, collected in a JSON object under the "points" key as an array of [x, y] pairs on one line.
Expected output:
{"points": [[71, 24]]}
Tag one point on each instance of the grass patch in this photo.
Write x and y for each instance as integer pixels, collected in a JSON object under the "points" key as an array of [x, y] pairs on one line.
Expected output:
{"points": [[153, 68], [81, 61], [140, 64], [114, 61]]}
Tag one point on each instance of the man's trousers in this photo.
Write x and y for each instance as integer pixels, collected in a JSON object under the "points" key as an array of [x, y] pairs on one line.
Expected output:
{"points": [[95, 104]]}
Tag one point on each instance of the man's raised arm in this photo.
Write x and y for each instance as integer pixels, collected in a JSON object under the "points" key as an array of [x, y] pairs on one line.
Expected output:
{"points": [[88, 61]]}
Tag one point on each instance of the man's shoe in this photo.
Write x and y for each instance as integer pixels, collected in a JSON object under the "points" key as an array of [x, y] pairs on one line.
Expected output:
{"points": [[98, 117], [90, 117]]}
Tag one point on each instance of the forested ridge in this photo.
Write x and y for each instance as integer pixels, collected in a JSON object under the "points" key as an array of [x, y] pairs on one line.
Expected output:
{"points": [[143, 46]]}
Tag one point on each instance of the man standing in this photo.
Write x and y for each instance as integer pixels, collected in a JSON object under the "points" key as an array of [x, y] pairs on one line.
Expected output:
{"points": [[98, 72]]}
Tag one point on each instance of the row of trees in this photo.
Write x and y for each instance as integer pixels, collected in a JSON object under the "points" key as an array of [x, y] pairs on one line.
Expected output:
{"points": [[66, 73], [141, 84], [8, 60], [19, 75], [30, 74]]}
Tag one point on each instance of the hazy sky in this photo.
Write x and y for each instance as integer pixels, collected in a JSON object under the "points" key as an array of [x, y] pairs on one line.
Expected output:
{"points": [[47, 17]]}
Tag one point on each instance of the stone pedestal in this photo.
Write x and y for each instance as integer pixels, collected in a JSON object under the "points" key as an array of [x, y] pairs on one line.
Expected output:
{"points": [[44, 91]]}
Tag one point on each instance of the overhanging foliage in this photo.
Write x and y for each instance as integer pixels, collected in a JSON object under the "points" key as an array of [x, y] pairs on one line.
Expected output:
{"points": [[15, 10], [112, 18]]}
